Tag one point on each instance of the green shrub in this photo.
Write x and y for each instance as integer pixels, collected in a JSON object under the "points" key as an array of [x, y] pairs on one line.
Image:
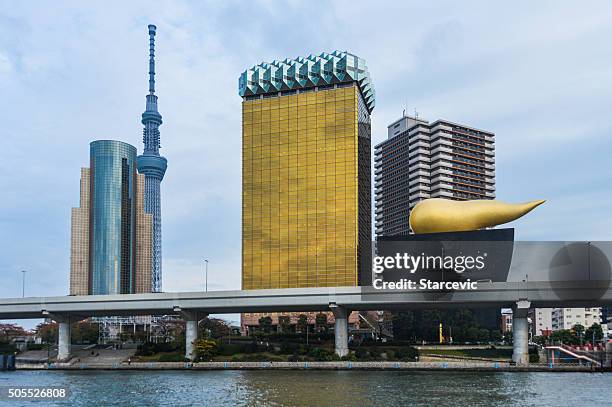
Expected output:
{"points": [[205, 348], [350, 357], [232, 349], [257, 357], [171, 357], [287, 347], [406, 354], [150, 348], [361, 353], [322, 355]]}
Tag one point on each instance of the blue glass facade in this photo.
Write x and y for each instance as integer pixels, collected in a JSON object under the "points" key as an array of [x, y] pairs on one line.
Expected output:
{"points": [[113, 217]]}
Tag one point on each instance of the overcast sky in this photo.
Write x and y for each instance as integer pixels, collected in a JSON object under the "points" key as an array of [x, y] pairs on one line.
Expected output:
{"points": [[538, 75]]}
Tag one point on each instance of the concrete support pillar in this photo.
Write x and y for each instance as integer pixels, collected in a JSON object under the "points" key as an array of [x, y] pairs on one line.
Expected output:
{"points": [[520, 333], [191, 331], [340, 329], [63, 342], [191, 335]]}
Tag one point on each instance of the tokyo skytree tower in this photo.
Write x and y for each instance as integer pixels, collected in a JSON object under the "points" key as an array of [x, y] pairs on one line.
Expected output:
{"points": [[153, 166]]}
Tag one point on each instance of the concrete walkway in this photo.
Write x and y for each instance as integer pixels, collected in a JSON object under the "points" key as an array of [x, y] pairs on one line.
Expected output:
{"points": [[102, 358]]}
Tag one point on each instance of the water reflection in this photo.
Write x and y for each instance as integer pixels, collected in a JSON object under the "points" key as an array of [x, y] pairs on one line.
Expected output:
{"points": [[316, 388]]}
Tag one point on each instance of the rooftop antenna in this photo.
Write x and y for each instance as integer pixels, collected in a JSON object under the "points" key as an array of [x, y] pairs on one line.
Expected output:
{"points": [[416, 114], [152, 30]]}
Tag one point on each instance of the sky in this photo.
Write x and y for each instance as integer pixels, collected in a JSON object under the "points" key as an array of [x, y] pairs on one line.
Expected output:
{"points": [[537, 74]]}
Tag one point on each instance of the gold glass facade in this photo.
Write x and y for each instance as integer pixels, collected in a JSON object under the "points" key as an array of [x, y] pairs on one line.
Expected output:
{"points": [[80, 241], [302, 189], [144, 241]]}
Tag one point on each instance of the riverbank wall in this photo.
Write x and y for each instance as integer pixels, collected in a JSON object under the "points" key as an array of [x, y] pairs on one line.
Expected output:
{"points": [[340, 365]]}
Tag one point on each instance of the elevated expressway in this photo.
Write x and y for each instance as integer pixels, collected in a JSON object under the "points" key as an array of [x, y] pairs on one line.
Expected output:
{"points": [[192, 306]]}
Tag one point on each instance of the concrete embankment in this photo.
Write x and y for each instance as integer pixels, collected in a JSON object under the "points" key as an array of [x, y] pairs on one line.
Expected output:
{"points": [[342, 365]]}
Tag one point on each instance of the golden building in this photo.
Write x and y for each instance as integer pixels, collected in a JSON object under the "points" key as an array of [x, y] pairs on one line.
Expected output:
{"points": [[306, 216], [111, 245]]}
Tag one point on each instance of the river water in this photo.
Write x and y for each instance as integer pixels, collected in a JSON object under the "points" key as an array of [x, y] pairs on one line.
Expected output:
{"points": [[317, 388]]}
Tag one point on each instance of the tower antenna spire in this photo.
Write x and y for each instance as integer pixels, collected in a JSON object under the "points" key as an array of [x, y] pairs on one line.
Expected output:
{"points": [[152, 30]]}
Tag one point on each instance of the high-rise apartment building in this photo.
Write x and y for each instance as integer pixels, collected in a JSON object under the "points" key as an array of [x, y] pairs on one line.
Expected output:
{"points": [[422, 160], [111, 242], [566, 318], [153, 166], [545, 320], [306, 211], [541, 321]]}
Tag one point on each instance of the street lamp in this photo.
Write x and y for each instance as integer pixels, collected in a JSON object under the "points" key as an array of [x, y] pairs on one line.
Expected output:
{"points": [[206, 263], [23, 283]]}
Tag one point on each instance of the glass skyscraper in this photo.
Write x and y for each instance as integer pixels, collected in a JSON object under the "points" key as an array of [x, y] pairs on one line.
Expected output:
{"points": [[111, 233], [306, 216]]}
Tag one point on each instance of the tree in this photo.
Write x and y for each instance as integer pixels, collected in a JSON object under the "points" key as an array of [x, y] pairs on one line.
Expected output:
{"points": [[594, 331], [403, 325], [9, 331], [169, 328], [205, 348], [47, 332], [265, 324], [321, 322], [483, 335], [217, 328], [84, 332], [578, 330], [302, 323], [496, 336], [284, 323], [564, 336]]}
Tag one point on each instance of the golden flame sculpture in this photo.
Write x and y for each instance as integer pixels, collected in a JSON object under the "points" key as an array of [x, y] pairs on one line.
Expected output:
{"points": [[437, 215]]}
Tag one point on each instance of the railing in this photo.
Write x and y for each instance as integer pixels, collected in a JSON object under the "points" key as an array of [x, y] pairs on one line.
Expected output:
{"points": [[580, 355]]}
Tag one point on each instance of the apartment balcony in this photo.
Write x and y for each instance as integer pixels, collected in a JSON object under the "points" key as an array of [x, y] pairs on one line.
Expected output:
{"points": [[441, 141], [441, 149], [441, 126], [419, 142], [418, 152], [423, 188], [442, 154], [441, 194], [419, 173], [418, 195], [421, 165], [437, 168]]}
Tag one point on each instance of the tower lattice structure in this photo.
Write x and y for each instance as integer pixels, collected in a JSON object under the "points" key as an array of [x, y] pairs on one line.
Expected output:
{"points": [[153, 166]]}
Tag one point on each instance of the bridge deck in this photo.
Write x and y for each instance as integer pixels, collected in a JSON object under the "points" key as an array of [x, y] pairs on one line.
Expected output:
{"points": [[540, 294]]}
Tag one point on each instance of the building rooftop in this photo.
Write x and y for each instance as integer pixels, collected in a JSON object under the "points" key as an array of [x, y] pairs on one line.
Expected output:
{"points": [[302, 73]]}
